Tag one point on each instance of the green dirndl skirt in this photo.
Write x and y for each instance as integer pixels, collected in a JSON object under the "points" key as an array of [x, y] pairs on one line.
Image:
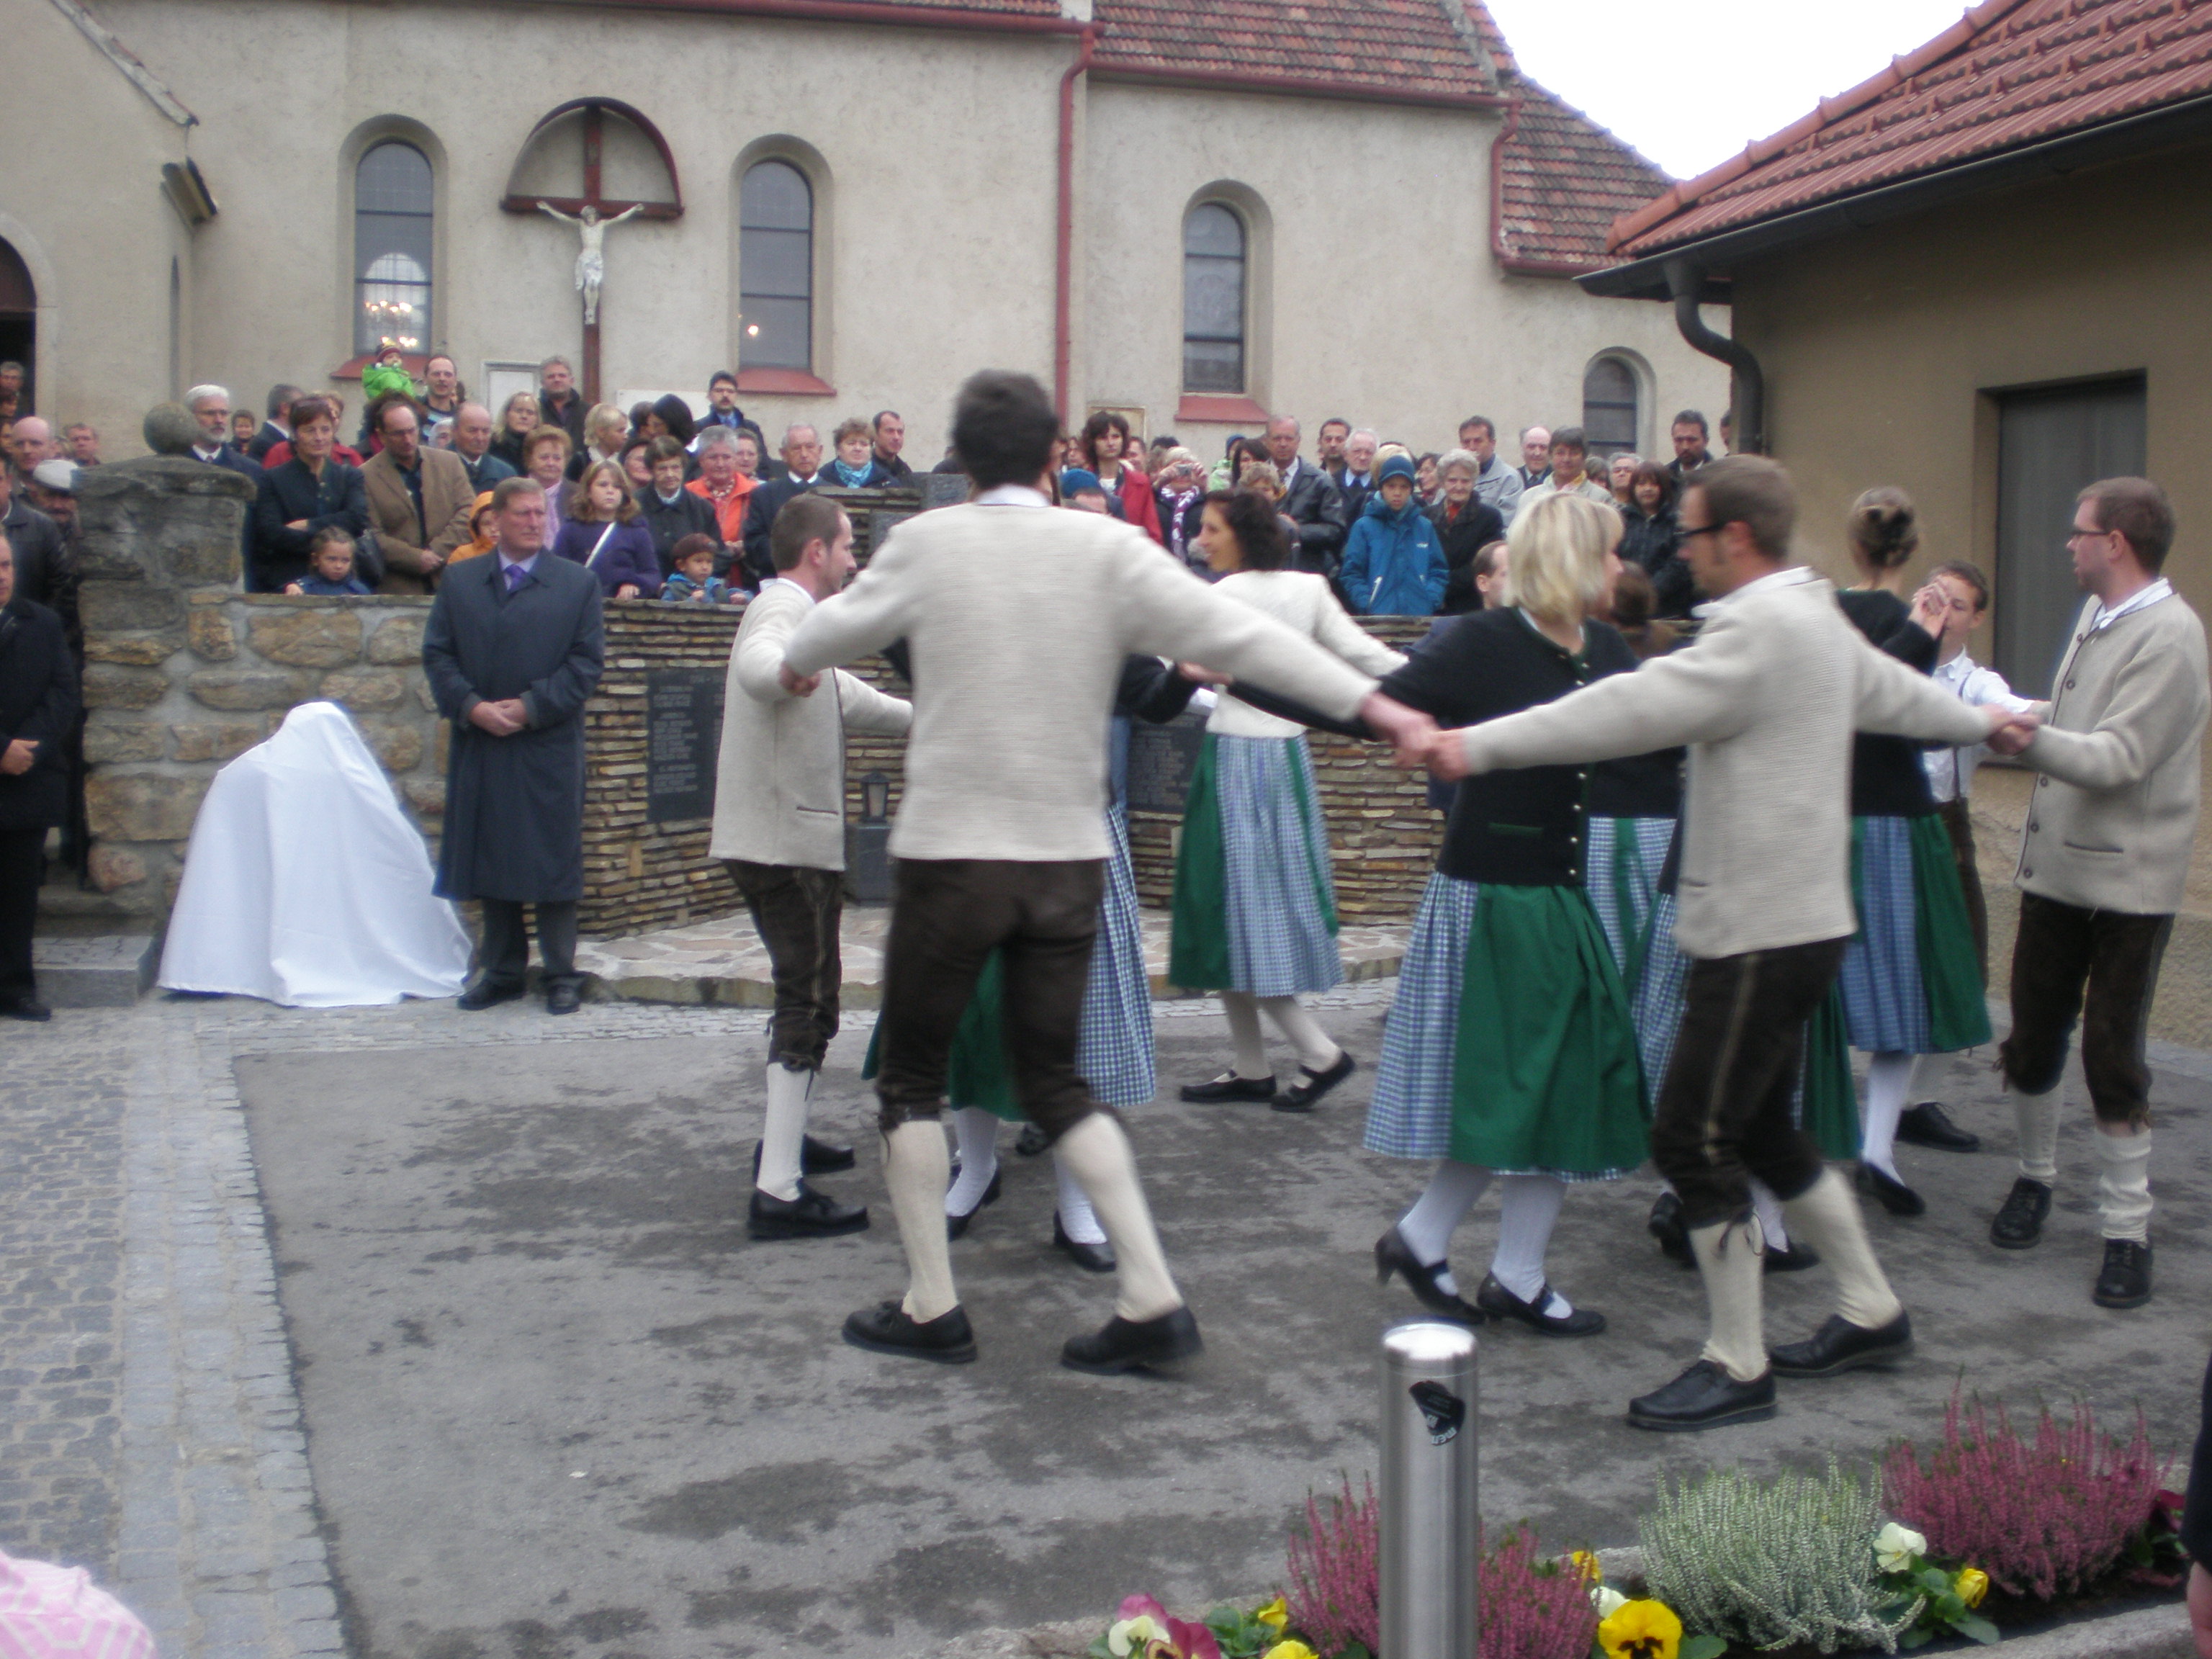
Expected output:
{"points": [[1828, 1099]]}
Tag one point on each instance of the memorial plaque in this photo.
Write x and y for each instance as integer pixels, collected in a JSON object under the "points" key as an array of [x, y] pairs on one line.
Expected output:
{"points": [[682, 737], [1161, 761]]}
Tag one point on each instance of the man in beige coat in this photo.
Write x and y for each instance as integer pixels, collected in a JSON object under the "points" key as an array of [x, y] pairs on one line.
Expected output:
{"points": [[418, 501], [779, 828], [1766, 699], [2103, 862]]}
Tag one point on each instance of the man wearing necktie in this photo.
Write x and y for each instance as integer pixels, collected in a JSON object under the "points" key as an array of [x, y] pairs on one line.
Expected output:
{"points": [[515, 647]]}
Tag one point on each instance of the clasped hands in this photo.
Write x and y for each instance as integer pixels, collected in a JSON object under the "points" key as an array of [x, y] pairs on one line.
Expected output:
{"points": [[502, 719], [2011, 730]]}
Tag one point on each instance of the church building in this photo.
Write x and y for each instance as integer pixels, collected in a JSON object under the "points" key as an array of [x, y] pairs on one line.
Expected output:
{"points": [[1195, 215]]}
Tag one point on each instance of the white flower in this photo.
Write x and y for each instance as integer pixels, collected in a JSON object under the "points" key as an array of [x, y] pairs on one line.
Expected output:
{"points": [[1895, 1547], [1607, 1600], [1130, 1634]]}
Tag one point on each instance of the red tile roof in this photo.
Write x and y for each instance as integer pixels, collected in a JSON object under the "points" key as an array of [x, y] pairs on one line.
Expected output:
{"points": [[1562, 181], [1411, 49], [2009, 74]]}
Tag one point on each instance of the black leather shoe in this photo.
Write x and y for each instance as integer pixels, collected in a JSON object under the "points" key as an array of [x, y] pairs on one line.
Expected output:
{"points": [[486, 994], [1840, 1346], [1393, 1255], [1790, 1259], [1896, 1197], [1305, 1094], [815, 1158], [1127, 1346], [811, 1215], [1031, 1141], [1704, 1397], [1667, 1226], [1494, 1299], [2125, 1281], [1091, 1258], [563, 996], [27, 1008], [1929, 1125], [1229, 1086], [957, 1225], [886, 1328], [2019, 1225]]}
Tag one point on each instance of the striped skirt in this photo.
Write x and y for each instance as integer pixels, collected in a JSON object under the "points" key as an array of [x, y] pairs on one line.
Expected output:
{"points": [[1255, 903], [1910, 983], [1541, 1077]]}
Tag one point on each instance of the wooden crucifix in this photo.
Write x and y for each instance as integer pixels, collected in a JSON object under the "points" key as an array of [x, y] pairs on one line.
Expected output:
{"points": [[594, 211]]}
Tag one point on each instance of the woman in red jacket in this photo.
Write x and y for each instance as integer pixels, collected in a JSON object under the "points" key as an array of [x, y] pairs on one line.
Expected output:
{"points": [[1104, 443]]}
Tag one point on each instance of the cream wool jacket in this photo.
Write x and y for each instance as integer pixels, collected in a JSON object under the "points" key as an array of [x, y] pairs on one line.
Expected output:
{"points": [[2114, 815], [1767, 698], [1018, 618], [1304, 603], [780, 783]]}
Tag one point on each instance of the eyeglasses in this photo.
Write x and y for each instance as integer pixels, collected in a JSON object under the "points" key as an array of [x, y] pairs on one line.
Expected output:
{"points": [[2077, 533], [1700, 530]]}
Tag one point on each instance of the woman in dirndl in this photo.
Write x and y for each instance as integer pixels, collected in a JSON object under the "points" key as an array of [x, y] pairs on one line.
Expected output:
{"points": [[1255, 914], [1910, 983], [1510, 1052], [1113, 1052]]}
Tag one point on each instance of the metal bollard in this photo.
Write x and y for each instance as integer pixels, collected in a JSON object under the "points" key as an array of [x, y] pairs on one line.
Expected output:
{"points": [[1430, 1517]]}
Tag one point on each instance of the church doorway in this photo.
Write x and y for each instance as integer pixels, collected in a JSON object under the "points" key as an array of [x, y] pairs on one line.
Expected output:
{"points": [[19, 322]]}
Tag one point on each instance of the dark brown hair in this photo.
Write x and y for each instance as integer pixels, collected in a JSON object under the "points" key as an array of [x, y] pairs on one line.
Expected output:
{"points": [[1258, 528], [1101, 423], [1003, 428], [1972, 576], [389, 401], [687, 546], [658, 450], [1754, 492], [1633, 598], [2139, 510], [1652, 472], [1884, 528], [313, 407], [798, 521]]}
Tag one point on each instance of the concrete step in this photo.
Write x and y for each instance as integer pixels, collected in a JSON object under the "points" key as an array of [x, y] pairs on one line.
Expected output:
{"points": [[99, 970]]}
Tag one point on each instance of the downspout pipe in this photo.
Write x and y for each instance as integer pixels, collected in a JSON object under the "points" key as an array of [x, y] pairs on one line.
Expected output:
{"points": [[1685, 281], [1063, 328]]}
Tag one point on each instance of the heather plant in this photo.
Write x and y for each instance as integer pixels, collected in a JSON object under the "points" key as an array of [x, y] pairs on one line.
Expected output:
{"points": [[1767, 1564], [2043, 1518], [1335, 1594], [1530, 1607]]}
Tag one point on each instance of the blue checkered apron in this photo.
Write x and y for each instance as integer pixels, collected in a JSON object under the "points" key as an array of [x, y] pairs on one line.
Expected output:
{"points": [[1655, 995], [1279, 897], [1884, 1004], [1115, 1055]]}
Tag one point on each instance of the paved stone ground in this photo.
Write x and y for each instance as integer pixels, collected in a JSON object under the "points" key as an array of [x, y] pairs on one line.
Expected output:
{"points": [[556, 1406]]}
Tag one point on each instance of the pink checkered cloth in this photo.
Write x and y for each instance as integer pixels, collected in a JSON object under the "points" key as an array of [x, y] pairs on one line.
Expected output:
{"points": [[57, 1613]]}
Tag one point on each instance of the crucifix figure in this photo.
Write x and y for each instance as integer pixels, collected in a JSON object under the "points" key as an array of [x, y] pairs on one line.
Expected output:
{"points": [[591, 257]]}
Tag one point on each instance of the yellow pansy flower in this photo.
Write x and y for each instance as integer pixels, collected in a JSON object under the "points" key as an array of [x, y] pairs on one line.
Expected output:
{"points": [[1972, 1585], [1288, 1650], [1641, 1629], [1585, 1563], [1274, 1615]]}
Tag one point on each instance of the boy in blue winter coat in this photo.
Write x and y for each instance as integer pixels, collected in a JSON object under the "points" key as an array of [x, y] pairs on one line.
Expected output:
{"points": [[1394, 563]]}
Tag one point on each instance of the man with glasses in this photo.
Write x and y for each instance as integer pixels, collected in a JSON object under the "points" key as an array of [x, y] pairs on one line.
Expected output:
{"points": [[2103, 864], [1766, 698]]}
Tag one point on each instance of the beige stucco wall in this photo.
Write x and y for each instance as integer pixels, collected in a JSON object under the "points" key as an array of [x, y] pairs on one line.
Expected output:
{"points": [[1879, 347], [1379, 298], [81, 202]]}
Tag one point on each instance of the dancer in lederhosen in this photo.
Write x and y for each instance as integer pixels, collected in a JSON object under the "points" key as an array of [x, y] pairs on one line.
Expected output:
{"points": [[1909, 981], [1508, 1052], [1255, 905]]}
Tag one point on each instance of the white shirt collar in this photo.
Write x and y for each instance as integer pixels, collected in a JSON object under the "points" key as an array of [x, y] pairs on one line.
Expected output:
{"points": [[796, 588], [507, 563], [1789, 577], [2141, 599], [208, 452], [1013, 495], [1956, 671]]}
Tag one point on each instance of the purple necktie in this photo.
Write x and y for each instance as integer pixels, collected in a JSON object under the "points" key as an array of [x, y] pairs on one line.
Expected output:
{"points": [[515, 577]]}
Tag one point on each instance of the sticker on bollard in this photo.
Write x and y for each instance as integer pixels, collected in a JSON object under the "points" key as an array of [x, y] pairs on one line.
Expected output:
{"points": [[1445, 1410]]}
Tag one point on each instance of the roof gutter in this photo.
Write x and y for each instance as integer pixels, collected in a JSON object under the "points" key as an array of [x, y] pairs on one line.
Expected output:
{"points": [[1685, 281], [1063, 299], [1647, 278], [1219, 80], [1509, 261], [862, 11]]}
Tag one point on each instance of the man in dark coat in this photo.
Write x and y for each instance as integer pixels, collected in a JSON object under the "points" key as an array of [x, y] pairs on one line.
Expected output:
{"points": [[1311, 498], [37, 711], [40, 562], [514, 645], [802, 472]]}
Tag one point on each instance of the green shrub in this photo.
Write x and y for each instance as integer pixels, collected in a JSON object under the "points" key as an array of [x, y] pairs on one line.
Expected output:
{"points": [[1768, 1564]]}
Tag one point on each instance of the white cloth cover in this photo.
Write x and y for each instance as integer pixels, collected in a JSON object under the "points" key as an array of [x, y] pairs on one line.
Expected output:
{"points": [[304, 884], [57, 1613]]}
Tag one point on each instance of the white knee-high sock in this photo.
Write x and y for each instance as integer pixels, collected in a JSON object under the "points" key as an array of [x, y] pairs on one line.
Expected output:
{"points": [[1768, 1209], [915, 1168], [1888, 1076], [1443, 1203], [783, 1131], [2123, 1183], [2036, 1118], [1077, 1219], [1096, 1153], [1528, 1208], [1730, 1262], [1243, 1011], [1826, 1217], [1317, 1050], [977, 1132]]}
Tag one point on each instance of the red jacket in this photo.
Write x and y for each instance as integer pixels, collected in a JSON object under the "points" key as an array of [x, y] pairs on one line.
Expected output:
{"points": [[1138, 506]]}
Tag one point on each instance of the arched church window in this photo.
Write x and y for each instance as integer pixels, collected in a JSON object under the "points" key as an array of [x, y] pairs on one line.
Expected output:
{"points": [[391, 225], [1611, 413], [775, 268], [1213, 300]]}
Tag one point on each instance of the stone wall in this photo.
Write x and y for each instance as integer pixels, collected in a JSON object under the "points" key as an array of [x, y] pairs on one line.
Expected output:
{"points": [[184, 672]]}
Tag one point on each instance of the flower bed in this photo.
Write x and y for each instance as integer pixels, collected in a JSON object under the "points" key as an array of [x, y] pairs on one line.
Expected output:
{"points": [[1987, 1532]]}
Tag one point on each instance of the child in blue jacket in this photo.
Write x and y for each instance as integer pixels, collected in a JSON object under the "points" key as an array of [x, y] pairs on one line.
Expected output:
{"points": [[1394, 563]]}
